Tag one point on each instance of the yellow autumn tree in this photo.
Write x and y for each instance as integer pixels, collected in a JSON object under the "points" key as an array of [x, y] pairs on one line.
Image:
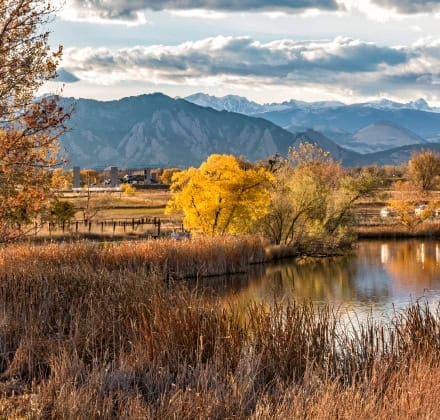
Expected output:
{"points": [[61, 179], [167, 175], [222, 196], [29, 127]]}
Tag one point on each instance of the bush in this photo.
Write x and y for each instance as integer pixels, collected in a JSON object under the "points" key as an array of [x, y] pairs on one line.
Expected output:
{"points": [[62, 211]]}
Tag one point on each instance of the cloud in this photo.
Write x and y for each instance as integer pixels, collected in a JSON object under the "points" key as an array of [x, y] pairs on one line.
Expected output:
{"points": [[123, 10], [133, 12], [64, 76], [241, 56], [410, 6], [348, 63]]}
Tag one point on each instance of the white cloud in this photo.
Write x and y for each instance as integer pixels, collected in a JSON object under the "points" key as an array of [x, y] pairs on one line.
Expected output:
{"points": [[341, 64]]}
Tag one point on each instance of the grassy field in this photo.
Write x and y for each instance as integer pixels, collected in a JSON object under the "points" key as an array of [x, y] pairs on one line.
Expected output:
{"points": [[107, 331], [112, 205]]}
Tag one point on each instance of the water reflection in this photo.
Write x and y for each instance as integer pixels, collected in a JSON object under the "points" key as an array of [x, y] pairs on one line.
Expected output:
{"points": [[377, 278]]}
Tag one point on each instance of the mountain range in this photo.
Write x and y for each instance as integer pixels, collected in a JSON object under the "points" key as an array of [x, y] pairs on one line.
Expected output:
{"points": [[156, 130], [240, 104], [338, 121]]}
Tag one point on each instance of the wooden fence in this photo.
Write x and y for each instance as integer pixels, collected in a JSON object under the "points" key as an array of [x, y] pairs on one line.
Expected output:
{"points": [[155, 226]]}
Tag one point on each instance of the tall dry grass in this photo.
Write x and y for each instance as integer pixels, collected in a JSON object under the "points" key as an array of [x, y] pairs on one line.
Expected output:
{"points": [[103, 336], [177, 259]]}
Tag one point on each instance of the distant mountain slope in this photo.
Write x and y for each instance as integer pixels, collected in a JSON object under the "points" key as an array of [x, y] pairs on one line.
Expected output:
{"points": [[381, 136], [335, 119], [392, 156], [231, 103], [235, 103], [419, 105], [355, 117], [243, 105], [155, 130]]}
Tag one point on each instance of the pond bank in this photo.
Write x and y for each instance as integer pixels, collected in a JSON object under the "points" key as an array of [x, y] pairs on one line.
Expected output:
{"points": [[396, 232]]}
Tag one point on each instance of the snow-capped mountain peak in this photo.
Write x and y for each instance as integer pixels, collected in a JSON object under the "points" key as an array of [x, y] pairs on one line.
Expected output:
{"points": [[231, 103], [386, 104]]}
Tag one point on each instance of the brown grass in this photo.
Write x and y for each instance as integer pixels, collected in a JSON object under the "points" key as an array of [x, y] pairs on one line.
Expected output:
{"points": [[166, 257], [430, 229], [93, 331]]}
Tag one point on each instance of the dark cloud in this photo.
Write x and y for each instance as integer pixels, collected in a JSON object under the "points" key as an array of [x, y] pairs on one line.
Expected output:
{"points": [[65, 76], [245, 57], [411, 6], [128, 9], [342, 62]]}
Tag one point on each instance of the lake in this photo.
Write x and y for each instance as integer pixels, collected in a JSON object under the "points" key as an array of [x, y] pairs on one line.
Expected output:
{"points": [[378, 278]]}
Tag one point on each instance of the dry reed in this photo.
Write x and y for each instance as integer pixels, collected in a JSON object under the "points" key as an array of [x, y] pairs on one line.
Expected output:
{"points": [[179, 259], [93, 331]]}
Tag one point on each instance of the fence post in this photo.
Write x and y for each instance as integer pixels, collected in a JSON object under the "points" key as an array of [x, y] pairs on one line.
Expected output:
{"points": [[158, 228]]}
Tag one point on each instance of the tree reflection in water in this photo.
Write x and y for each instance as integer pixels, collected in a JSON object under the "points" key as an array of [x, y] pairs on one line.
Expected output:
{"points": [[378, 277]]}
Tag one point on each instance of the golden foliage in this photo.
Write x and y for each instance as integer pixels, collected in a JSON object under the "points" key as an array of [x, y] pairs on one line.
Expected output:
{"points": [[313, 197], [61, 179], [411, 207], [167, 175], [29, 127], [221, 196], [424, 169], [128, 189]]}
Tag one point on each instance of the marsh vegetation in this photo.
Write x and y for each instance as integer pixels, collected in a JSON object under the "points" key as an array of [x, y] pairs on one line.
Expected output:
{"points": [[105, 331]]}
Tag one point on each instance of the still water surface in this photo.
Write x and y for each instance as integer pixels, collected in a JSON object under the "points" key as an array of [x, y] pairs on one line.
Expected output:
{"points": [[377, 279]]}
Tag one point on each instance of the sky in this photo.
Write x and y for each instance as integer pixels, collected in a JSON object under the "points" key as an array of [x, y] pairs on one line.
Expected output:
{"points": [[266, 50]]}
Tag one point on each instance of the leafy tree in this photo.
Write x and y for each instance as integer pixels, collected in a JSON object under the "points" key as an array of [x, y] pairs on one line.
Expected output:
{"points": [[167, 175], [61, 179], [351, 189], [221, 196], [29, 127], [424, 168], [313, 198], [62, 211], [405, 215], [300, 193], [407, 208]]}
